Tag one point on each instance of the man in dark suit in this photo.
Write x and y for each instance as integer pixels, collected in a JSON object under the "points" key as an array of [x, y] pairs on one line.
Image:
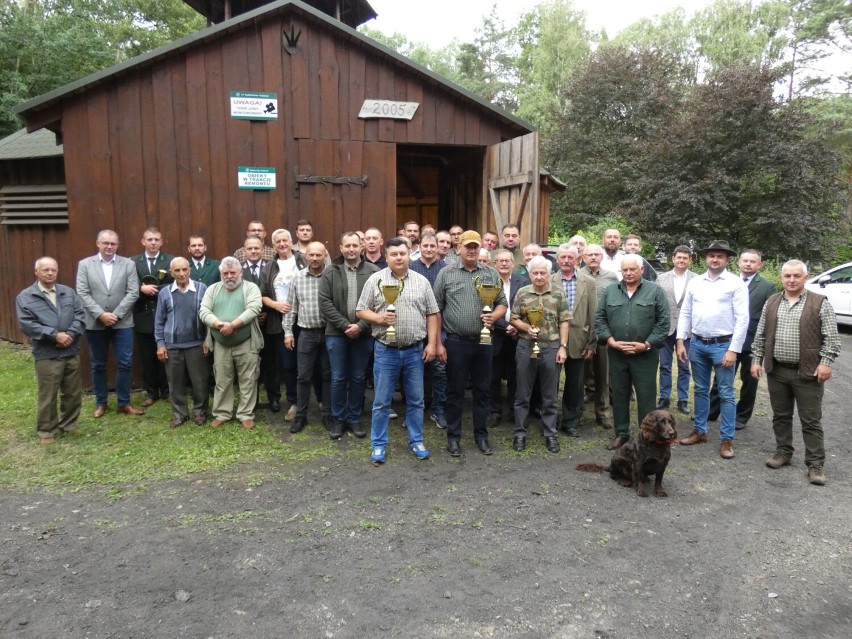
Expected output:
{"points": [[153, 270], [108, 286], [581, 292], [504, 339], [252, 267], [759, 290], [202, 268]]}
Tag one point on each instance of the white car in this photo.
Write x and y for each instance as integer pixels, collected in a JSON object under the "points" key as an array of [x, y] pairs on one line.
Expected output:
{"points": [[836, 285]]}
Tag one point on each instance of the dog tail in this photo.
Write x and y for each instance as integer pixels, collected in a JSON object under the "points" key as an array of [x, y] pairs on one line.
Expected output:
{"points": [[592, 468]]}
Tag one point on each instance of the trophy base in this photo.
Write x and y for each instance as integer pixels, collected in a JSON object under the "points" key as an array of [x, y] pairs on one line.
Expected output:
{"points": [[390, 335], [536, 352], [485, 336]]}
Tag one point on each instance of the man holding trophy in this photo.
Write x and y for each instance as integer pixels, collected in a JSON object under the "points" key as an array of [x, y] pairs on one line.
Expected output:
{"points": [[470, 297], [541, 315], [401, 307]]}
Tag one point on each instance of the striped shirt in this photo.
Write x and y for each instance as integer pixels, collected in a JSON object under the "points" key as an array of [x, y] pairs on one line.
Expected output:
{"points": [[304, 298], [414, 303], [787, 333], [458, 300], [714, 308]]}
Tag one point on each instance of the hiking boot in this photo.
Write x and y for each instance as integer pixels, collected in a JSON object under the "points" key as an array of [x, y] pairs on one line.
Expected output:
{"points": [[816, 476], [777, 461]]}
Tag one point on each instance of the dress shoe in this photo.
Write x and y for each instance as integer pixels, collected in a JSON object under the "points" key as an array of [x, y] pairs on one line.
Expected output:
{"points": [[216, 423], [357, 429], [74, 431], [177, 421], [726, 450], [297, 425], [663, 403], [683, 406], [483, 446], [695, 437], [100, 411], [49, 439], [148, 402], [571, 431], [129, 410], [740, 425], [552, 444], [493, 420], [335, 429], [200, 419], [519, 443], [618, 442], [248, 424], [275, 406], [453, 448], [777, 461]]}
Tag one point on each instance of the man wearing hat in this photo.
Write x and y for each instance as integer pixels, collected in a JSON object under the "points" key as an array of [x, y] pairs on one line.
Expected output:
{"points": [[461, 310], [715, 316]]}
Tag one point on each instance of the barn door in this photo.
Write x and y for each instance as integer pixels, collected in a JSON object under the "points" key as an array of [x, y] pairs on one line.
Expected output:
{"points": [[511, 182]]}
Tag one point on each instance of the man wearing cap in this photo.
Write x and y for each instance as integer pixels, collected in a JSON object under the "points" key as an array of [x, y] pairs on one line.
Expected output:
{"points": [[715, 315], [461, 308]]}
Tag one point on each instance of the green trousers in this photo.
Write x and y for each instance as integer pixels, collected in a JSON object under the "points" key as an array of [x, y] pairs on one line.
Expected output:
{"points": [[628, 372]]}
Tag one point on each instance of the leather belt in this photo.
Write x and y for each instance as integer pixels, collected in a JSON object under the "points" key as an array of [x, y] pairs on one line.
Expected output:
{"points": [[398, 347], [713, 340]]}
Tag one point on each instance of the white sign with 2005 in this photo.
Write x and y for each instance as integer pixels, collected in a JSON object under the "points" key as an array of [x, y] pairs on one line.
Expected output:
{"points": [[391, 109]]}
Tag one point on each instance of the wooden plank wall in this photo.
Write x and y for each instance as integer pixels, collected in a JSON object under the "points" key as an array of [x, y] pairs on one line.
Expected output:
{"points": [[22, 245]]}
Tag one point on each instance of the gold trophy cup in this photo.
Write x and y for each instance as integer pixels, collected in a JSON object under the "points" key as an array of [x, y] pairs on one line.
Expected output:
{"points": [[391, 292], [487, 294], [534, 316]]}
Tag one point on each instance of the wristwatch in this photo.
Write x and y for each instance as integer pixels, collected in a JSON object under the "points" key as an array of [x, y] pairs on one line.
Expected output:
{"points": [[565, 346]]}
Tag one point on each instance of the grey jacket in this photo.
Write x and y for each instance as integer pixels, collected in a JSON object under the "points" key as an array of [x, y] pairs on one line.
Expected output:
{"points": [[40, 320], [119, 297], [333, 293]]}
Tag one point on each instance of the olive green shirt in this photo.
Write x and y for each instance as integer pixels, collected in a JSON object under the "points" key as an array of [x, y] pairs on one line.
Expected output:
{"points": [[644, 317], [555, 306]]}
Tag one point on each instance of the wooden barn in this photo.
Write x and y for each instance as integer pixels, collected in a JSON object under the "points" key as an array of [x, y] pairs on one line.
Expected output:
{"points": [[278, 111]]}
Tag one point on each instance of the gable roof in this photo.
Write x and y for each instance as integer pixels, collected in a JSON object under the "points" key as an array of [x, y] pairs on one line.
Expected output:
{"points": [[43, 103], [352, 12], [21, 145]]}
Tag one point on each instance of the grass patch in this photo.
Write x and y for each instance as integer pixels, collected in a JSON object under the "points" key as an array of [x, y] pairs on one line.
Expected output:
{"points": [[122, 449]]}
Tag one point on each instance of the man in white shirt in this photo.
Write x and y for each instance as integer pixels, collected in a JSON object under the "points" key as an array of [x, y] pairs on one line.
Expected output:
{"points": [[715, 315], [612, 252]]}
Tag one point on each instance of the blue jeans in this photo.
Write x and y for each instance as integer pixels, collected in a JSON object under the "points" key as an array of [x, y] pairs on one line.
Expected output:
{"points": [[348, 359], [122, 345], [389, 364], [706, 358], [667, 351]]}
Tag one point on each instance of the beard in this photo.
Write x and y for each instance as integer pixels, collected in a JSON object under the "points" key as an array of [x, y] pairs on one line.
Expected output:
{"points": [[232, 285]]}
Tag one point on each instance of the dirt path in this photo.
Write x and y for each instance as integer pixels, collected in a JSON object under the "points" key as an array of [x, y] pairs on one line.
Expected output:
{"points": [[476, 547]]}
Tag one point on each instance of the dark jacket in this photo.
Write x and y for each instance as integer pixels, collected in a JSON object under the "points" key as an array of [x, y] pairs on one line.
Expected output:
{"points": [[274, 319], [760, 289], [146, 306], [333, 294], [208, 274], [643, 317], [40, 320]]}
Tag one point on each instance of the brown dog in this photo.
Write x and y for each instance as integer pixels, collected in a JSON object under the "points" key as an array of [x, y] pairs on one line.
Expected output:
{"points": [[646, 454]]}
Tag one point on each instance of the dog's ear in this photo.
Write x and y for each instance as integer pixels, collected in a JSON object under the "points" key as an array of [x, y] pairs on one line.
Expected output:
{"points": [[674, 425], [649, 427]]}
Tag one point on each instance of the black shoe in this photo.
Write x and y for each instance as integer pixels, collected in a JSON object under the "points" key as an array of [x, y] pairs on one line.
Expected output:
{"points": [[357, 429], [552, 444], [453, 448], [275, 406], [572, 432], [740, 426], [297, 424], [618, 442], [663, 403], [484, 446], [519, 443], [683, 407], [493, 420], [335, 429]]}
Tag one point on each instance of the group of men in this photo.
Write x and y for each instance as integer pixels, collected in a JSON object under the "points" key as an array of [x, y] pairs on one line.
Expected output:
{"points": [[287, 314]]}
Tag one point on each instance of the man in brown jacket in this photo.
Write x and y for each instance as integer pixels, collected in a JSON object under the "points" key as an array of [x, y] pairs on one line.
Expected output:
{"points": [[796, 343]]}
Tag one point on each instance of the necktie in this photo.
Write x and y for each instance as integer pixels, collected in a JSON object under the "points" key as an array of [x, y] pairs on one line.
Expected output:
{"points": [[745, 279], [151, 265], [254, 270], [198, 266]]}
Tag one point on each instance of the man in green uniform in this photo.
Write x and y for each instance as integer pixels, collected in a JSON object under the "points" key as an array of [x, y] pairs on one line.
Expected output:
{"points": [[633, 320]]}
